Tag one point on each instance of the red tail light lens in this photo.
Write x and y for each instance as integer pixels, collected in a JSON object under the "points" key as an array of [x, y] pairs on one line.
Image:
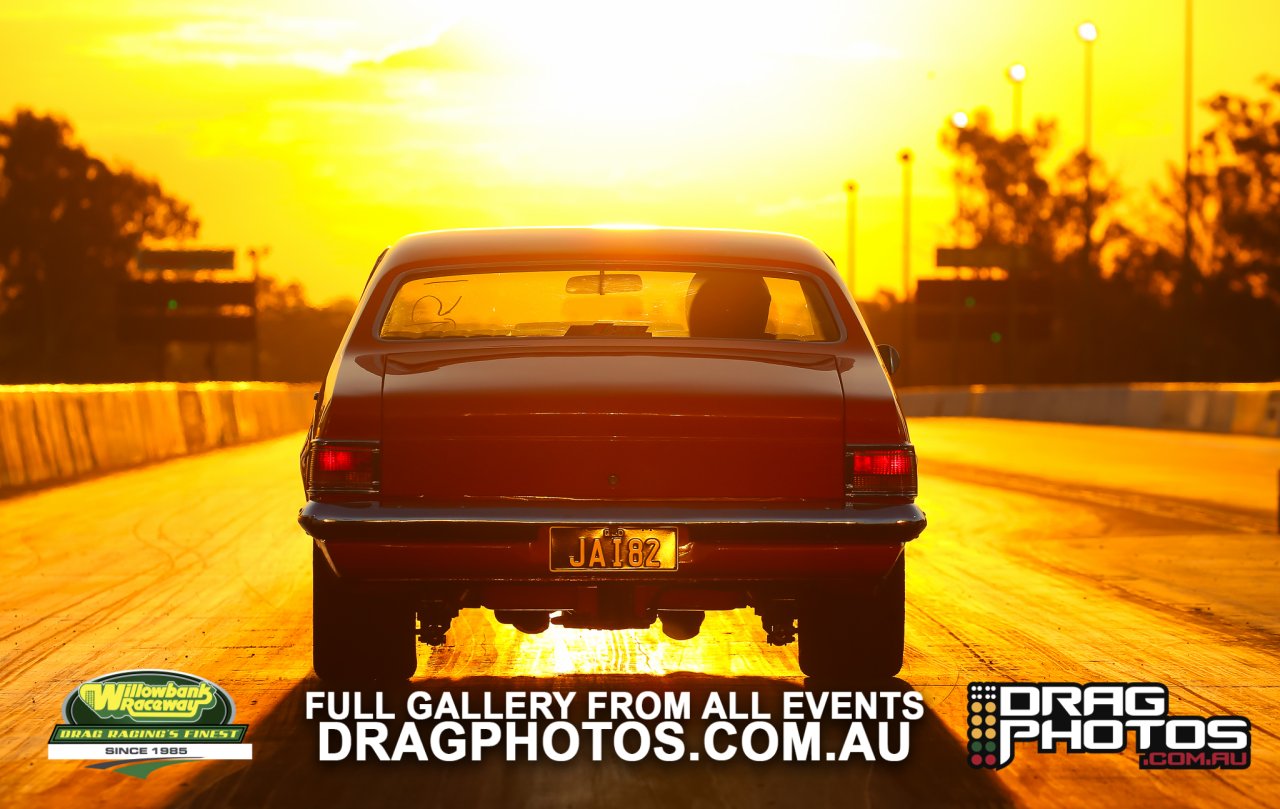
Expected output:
{"points": [[344, 467], [879, 472]]}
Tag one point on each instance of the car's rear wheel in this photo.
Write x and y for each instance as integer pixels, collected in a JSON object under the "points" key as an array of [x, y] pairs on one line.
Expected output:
{"points": [[845, 637], [359, 636]]}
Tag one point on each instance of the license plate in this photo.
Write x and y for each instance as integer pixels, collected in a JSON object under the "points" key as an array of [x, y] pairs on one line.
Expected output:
{"points": [[601, 550]]}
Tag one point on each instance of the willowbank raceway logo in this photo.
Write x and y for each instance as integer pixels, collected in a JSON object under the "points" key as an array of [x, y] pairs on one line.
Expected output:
{"points": [[144, 719], [1100, 718]]}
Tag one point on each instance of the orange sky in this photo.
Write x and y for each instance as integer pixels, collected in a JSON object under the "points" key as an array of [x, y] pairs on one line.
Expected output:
{"points": [[326, 129]]}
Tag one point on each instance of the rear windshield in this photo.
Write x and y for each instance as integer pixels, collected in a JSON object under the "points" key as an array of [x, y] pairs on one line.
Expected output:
{"points": [[617, 301]]}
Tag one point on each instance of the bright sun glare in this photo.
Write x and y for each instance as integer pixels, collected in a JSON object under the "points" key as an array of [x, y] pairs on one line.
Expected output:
{"points": [[365, 121], [613, 63]]}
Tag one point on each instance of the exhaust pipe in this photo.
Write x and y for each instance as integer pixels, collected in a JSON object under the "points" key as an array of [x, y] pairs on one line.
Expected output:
{"points": [[530, 622], [681, 624]]}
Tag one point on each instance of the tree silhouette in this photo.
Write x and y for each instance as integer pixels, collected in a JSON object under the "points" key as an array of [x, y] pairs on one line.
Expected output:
{"points": [[69, 224], [298, 339], [1135, 312], [1236, 193], [1006, 196], [1225, 306], [1002, 197]]}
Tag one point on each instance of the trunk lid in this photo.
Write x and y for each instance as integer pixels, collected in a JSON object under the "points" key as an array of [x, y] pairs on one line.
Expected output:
{"points": [[639, 426]]}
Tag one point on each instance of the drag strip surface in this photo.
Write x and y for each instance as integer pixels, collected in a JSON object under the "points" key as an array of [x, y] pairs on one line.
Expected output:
{"points": [[198, 565]]}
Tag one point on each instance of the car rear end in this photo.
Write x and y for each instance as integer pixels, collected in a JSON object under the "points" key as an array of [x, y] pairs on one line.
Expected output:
{"points": [[584, 473]]}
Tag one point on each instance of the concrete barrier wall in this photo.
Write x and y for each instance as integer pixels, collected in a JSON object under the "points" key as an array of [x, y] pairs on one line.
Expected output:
{"points": [[1245, 409], [51, 433]]}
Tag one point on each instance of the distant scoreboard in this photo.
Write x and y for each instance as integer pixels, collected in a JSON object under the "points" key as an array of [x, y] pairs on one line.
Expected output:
{"points": [[188, 260], [198, 311], [182, 308], [190, 328], [994, 310], [173, 295], [1008, 257]]}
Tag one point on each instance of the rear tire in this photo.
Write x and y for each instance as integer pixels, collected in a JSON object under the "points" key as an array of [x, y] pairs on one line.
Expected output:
{"points": [[844, 637], [359, 636]]}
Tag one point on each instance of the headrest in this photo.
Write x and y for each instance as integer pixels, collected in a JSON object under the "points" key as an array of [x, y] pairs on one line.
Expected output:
{"points": [[728, 304]]}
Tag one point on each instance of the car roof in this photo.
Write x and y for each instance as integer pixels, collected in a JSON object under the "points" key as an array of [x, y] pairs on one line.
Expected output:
{"points": [[614, 242]]}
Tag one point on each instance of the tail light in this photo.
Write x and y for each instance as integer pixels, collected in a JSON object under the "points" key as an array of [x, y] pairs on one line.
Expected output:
{"points": [[349, 467], [877, 473]]}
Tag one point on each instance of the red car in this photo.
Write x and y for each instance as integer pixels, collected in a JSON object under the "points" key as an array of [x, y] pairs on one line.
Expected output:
{"points": [[600, 428]]}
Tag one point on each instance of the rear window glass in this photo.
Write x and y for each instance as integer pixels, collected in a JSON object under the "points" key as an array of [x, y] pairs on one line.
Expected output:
{"points": [[616, 301]]}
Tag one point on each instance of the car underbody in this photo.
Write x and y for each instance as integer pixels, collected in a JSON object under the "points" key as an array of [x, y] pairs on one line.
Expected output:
{"points": [[788, 565]]}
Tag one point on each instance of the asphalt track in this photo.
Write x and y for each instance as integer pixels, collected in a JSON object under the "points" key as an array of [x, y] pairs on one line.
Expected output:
{"points": [[1054, 553]]}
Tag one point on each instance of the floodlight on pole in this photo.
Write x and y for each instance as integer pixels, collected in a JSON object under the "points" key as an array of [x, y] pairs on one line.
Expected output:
{"points": [[851, 229], [1088, 33], [1017, 74]]}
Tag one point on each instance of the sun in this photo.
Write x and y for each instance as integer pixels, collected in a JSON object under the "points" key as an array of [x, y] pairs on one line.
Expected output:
{"points": [[643, 65]]}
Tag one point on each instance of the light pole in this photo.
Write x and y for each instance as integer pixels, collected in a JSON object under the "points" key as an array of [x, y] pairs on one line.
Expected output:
{"points": [[256, 255], [906, 157], [850, 223], [1088, 33], [960, 121], [1188, 243], [1017, 74]]}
